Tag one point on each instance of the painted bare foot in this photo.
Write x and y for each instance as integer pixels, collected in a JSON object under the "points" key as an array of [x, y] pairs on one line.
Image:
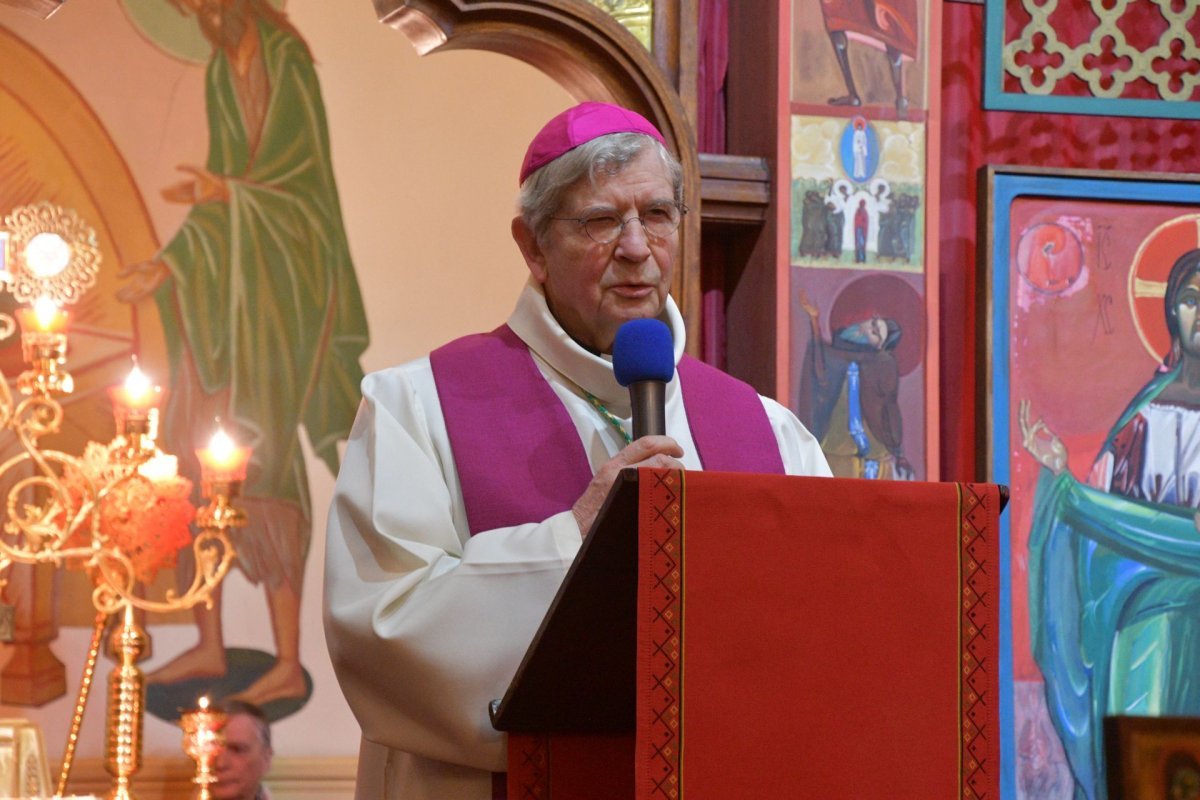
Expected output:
{"points": [[283, 681], [852, 100], [201, 661]]}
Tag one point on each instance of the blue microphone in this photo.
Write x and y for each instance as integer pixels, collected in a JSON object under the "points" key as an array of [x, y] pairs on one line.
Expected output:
{"points": [[644, 360]]}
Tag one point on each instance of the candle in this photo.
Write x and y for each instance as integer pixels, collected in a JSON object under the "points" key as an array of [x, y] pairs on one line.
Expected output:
{"points": [[203, 739], [44, 317], [223, 459], [137, 393], [163, 467], [207, 722]]}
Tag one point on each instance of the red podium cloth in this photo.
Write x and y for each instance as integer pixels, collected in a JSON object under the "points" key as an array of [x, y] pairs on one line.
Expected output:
{"points": [[831, 638], [795, 637]]}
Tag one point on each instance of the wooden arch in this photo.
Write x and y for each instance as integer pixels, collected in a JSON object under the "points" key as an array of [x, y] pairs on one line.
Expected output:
{"points": [[593, 57]]}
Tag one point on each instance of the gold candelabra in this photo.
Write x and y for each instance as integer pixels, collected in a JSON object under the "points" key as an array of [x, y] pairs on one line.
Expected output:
{"points": [[71, 510]]}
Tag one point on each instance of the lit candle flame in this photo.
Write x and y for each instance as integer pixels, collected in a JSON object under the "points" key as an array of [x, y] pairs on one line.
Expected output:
{"points": [[137, 386], [221, 448], [137, 393], [44, 317], [223, 459], [203, 703], [44, 310]]}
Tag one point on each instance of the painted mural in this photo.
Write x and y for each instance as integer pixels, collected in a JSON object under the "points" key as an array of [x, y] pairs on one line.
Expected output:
{"points": [[849, 385], [1099, 310], [250, 311], [858, 319], [857, 194], [264, 338], [849, 54], [101, 107], [857, 249]]}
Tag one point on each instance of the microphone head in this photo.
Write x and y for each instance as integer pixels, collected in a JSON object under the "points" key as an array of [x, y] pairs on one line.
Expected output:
{"points": [[643, 351]]}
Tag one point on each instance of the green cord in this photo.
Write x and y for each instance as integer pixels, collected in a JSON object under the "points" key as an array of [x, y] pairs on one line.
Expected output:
{"points": [[612, 418]]}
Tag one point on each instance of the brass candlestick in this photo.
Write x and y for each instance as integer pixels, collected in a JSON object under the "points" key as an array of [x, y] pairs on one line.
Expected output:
{"points": [[203, 738], [214, 554], [126, 707]]}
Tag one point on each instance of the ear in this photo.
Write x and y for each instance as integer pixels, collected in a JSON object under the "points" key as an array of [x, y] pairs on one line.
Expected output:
{"points": [[527, 243]]}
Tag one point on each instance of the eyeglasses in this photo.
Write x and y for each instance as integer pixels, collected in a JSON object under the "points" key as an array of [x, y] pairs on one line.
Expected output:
{"points": [[658, 222]]}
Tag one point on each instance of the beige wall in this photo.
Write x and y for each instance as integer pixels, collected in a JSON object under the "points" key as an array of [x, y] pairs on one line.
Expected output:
{"points": [[426, 152]]}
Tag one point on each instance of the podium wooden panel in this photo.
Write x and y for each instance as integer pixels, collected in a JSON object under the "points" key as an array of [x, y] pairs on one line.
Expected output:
{"points": [[725, 635]]}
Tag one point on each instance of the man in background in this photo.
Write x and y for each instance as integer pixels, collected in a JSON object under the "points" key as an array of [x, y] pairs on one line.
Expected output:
{"points": [[245, 757]]}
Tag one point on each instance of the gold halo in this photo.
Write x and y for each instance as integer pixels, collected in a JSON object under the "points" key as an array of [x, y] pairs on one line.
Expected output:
{"points": [[67, 286], [1148, 273], [172, 31]]}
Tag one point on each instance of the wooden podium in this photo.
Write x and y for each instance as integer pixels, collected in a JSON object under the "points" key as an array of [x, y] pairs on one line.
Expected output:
{"points": [[728, 635]]}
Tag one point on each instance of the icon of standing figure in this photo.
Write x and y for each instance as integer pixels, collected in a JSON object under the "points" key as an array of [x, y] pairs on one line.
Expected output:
{"points": [[267, 337], [1115, 554]]}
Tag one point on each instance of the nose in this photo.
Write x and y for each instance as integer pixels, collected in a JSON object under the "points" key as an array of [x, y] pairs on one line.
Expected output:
{"points": [[633, 244]]}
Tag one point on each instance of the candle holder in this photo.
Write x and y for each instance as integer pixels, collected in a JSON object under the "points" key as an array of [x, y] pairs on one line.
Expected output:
{"points": [[137, 422], [118, 511], [220, 513], [44, 347], [203, 739], [222, 469]]}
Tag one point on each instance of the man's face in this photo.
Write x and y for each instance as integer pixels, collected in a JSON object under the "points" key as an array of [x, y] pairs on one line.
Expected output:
{"points": [[243, 762], [592, 288], [1187, 306], [214, 17]]}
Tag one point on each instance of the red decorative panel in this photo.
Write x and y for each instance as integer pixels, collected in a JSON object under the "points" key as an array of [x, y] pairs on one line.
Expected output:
{"points": [[528, 766], [980, 682], [784, 641], [660, 634]]}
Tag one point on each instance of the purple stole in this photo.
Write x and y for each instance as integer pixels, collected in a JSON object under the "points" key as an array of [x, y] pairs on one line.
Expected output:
{"points": [[518, 455]]}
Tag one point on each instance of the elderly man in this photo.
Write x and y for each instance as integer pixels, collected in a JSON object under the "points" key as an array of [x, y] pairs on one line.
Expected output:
{"points": [[472, 475], [246, 755]]}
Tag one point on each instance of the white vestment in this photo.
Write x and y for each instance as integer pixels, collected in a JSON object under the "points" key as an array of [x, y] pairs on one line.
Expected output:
{"points": [[1169, 468], [426, 624]]}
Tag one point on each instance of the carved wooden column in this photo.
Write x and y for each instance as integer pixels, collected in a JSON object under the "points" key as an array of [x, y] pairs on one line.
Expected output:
{"points": [[33, 674], [748, 276]]}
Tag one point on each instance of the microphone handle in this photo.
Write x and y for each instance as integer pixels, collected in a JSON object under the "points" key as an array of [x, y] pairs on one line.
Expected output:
{"points": [[648, 399]]}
